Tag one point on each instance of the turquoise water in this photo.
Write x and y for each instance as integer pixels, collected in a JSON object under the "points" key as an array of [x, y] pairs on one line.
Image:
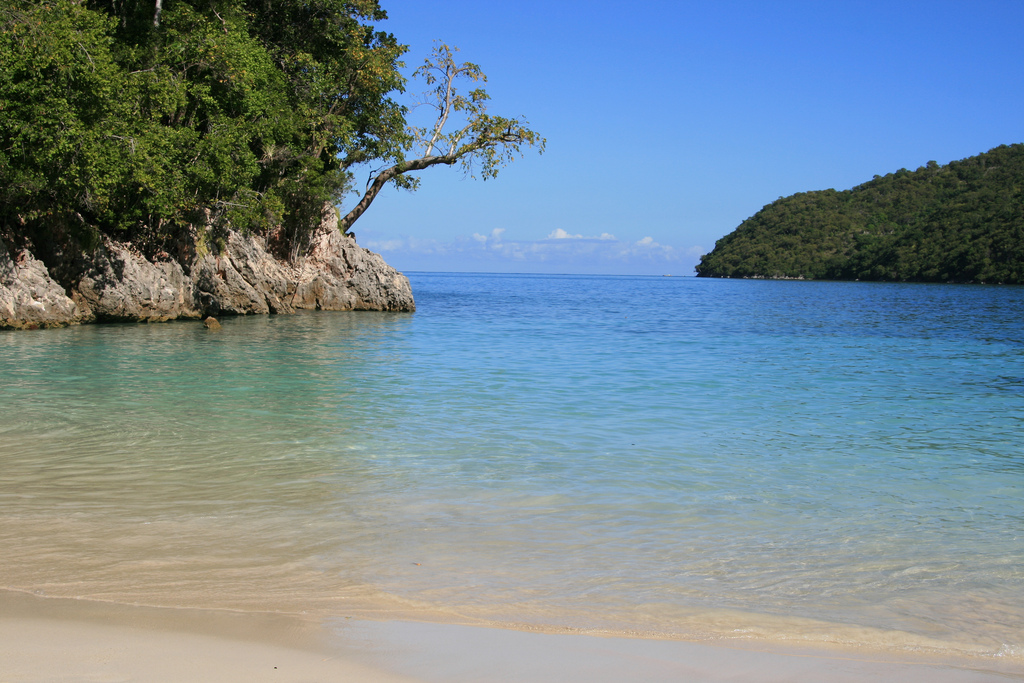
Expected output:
{"points": [[812, 462]]}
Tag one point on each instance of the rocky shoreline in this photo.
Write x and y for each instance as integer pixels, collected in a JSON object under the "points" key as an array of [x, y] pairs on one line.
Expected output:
{"points": [[117, 284]]}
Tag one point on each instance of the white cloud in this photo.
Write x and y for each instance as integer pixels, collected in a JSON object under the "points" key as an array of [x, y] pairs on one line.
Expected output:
{"points": [[561, 251], [389, 245], [647, 247], [495, 236], [560, 234]]}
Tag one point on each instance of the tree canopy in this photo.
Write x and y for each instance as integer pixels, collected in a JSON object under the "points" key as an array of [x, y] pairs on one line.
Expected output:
{"points": [[963, 222], [168, 122]]}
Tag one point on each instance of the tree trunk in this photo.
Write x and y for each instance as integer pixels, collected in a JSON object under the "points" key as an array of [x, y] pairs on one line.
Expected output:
{"points": [[382, 179]]}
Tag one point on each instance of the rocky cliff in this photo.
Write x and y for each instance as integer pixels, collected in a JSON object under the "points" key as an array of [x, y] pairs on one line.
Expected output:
{"points": [[116, 283]]}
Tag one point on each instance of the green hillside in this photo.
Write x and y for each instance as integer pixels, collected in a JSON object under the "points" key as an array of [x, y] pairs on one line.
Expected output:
{"points": [[963, 222]]}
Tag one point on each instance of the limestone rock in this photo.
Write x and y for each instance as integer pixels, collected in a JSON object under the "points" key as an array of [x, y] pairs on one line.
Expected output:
{"points": [[221, 290], [339, 275], [115, 283], [30, 298], [119, 285], [271, 278], [211, 324]]}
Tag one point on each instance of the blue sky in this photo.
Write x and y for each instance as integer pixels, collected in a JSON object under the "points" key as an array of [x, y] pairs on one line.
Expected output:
{"points": [[671, 123]]}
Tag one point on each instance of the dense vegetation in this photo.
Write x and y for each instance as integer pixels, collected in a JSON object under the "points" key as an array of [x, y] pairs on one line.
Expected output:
{"points": [[963, 222], [168, 122]]}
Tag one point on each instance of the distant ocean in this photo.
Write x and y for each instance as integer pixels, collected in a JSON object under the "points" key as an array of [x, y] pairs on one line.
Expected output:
{"points": [[673, 457]]}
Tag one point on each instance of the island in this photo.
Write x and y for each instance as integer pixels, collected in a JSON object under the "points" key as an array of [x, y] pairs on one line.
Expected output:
{"points": [[962, 222]]}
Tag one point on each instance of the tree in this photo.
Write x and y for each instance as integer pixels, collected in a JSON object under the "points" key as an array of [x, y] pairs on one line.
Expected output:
{"points": [[167, 123], [480, 139], [58, 91]]}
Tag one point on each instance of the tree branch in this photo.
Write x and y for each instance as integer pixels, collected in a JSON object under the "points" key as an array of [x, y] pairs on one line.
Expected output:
{"points": [[381, 180], [490, 140]]}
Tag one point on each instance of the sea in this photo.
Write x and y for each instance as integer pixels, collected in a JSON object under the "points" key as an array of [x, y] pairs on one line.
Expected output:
{"points": [[665, 457]]}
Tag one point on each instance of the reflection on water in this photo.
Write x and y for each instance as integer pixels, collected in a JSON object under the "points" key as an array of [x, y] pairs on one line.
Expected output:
{"points": [[815, 461]]}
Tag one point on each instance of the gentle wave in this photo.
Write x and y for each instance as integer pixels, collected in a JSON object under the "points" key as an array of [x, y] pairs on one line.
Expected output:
{"points": [[835, 463]]}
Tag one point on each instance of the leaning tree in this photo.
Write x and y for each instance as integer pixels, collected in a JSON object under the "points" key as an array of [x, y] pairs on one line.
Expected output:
{"points": [[462, 133]]}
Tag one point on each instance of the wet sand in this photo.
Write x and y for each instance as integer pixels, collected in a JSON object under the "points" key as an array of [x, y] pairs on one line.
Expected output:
{"points": [[69, 640], [45, 639]]}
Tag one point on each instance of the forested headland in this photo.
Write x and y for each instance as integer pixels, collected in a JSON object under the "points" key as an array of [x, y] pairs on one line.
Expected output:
{"points": [[162, 159], [962, 222], [167, 123]]}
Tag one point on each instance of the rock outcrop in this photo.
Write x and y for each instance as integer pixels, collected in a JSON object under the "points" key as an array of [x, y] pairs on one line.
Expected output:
{"points": [[30, 298], [116, 283], [338, 275], [119, 285]]}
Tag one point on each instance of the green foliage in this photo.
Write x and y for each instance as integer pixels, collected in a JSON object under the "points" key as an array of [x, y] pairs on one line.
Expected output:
{"points": [[480, 139], [207, 115], [56, 94], [963, 222]]}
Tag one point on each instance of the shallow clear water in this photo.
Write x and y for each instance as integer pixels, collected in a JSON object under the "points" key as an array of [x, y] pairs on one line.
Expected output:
{"points": [[809, 461]]}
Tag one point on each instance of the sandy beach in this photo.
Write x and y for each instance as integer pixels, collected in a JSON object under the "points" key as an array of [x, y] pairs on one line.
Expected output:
{"points": [[68, 640], [631, 493]]}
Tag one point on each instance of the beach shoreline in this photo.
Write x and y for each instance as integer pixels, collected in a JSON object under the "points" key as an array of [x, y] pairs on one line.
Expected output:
{"points": [[703, 481], [45, 639]]}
